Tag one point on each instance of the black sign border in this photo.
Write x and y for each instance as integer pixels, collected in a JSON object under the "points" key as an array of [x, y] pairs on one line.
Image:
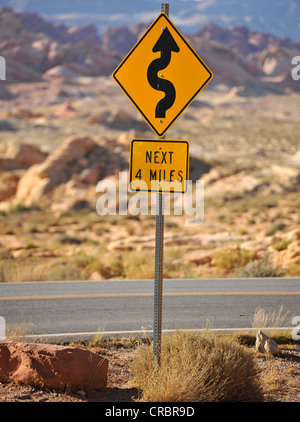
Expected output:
{"points": [[158, 142]]}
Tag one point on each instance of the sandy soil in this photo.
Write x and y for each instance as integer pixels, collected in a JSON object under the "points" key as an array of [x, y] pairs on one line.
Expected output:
{"points": [[281, 380]]}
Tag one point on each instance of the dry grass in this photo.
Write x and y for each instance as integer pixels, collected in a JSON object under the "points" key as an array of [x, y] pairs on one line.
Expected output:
{"points": [[232, 258], [18, 332], [197, 367], [268, 320], [22, 270], [271, 378], [260, 268]]}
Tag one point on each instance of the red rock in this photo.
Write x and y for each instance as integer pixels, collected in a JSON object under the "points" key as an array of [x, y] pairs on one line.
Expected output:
{"points": [[21, 157], [8, 184], [76, 157], [52, 366]]}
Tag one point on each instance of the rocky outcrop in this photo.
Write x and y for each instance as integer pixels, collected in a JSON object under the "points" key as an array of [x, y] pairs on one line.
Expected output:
{"points": [[52, 366], [31, 23], [295, 160], [8, 184], [243, 40], [236, 184], [35, 49], [21, 156], [31, 47], [231, 186], [29, 62], [239, 56], [80, 159], [119, 39], [289, 252]]}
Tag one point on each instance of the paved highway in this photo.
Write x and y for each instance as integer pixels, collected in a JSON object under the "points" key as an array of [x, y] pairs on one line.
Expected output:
{"points": [[69, 310]]}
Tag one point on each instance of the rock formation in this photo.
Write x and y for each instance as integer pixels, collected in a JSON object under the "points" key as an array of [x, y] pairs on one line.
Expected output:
{"points": [[80, 159], [34, 49], [52, 366]]}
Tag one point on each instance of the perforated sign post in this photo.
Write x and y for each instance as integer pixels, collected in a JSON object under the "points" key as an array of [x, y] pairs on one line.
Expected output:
{"points": [[161, 76]]}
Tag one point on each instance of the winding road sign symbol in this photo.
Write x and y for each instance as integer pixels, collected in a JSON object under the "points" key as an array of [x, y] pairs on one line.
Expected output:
{"points": [[162, 74], [165, 45]]}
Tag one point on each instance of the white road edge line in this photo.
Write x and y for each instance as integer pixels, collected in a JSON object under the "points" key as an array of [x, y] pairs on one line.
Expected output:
{"points": [[112, 333]]}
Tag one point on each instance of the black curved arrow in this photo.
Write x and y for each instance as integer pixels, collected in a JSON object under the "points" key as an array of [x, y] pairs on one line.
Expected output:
{"points": [[165, 44]]}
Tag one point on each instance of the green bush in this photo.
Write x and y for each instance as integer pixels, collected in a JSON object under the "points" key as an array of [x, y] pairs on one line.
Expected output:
{"points": [[232, 258], [260, 269], [20, 208], [281, 244]]}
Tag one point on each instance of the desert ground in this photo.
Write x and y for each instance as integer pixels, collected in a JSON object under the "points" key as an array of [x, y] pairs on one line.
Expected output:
{"points": [[60, 137], [279, 378]]}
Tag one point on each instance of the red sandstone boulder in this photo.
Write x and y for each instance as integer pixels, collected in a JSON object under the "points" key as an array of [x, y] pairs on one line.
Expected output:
{"points": [[52, 366]]}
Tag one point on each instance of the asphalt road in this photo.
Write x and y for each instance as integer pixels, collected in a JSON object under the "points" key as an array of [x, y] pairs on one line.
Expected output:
{"points": [[80, 309]]}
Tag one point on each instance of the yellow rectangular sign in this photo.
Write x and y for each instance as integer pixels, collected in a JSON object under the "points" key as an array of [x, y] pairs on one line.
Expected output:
{"points": [[159, 166]]}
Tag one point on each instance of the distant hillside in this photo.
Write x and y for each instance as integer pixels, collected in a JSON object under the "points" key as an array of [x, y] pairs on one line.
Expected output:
{"points": [[277, 17], [35, 49]]}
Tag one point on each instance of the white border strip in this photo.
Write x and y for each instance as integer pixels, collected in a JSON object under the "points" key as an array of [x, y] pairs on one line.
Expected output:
{"points": [[144, 332]]}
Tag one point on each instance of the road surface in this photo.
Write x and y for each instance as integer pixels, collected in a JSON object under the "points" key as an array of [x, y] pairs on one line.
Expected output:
{"points": [[80, 309]]}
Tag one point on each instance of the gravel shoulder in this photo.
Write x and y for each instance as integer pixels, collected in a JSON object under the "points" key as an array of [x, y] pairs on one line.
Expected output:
{"points": [[280, 378]]}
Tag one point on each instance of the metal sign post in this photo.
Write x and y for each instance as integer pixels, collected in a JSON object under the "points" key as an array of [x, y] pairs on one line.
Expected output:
{"points": [[158, 281], [159, 260], [165, 8]]}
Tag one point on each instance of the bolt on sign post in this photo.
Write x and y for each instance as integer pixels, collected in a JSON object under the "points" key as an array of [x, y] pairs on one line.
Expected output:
{"points": [[161, 76]]}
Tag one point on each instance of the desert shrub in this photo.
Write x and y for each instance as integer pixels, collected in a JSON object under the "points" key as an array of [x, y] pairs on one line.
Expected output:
{"points": [[20, 208], [232, 258], [65, 239], [197, 368], [115, 268], [278, 226], [260, 268], [293, 270], [107, 267], [65, 272], [281, 244], [18, 270], [31, 245], [137, 265], [82, 259]]}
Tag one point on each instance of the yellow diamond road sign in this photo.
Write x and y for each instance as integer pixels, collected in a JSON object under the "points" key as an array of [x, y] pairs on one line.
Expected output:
{"points": [[159, 166], [162, 74]]}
